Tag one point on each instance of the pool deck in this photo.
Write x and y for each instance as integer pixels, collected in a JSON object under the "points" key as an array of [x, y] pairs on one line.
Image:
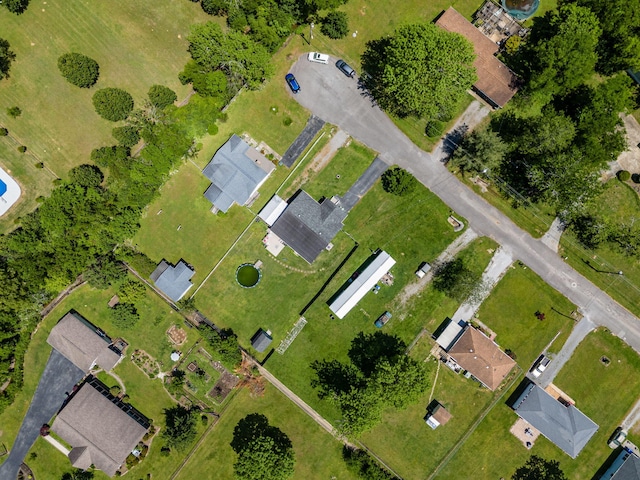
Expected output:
{"points": [[12, 194]]}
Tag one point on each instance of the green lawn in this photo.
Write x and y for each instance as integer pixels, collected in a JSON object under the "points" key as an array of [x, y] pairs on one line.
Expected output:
{"points": [[136, 44], [618, 202], [317, 453], [343, 170], [591, 384], [510, 312]]}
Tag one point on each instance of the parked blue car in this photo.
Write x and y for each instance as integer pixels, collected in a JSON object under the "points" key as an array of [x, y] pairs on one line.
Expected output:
{"points": [[293, 83]]}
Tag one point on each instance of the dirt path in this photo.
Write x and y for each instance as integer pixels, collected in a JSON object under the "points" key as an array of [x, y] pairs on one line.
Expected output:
{"points": [[449, 253]]}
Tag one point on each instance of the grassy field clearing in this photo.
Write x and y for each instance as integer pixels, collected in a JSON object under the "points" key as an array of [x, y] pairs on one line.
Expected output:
{"points": [[591, 384], [136, 44], [318, 454]]}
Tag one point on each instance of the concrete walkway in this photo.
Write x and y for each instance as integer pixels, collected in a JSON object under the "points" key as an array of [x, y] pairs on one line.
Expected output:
{"points": [[552, 238], [497, 267], [58, 446]]}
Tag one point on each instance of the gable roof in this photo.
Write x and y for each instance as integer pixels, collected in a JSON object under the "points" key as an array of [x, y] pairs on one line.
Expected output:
{"points": [[480, 356], [99, 431], [261, 340], [308, 226], [565, 426], [174, 281], [629, 470], [82, 343], [496, 82], [236, 171]]}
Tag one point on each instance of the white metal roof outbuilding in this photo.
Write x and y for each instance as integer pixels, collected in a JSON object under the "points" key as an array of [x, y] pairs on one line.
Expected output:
{"points": [[272, 210], [350, 297]]}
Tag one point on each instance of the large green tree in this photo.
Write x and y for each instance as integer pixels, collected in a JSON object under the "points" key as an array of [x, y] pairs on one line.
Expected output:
{"points": [[79, 69], [560, 53], [180, 428], [113, 104], [538, 468], [619, 44], [420, 70], [245, 61], [6, 57], [482, 149], [16, 6], [264, 451]]}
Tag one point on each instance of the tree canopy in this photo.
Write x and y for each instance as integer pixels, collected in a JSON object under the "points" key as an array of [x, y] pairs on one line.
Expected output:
{"points": [[379, 376], [79, 69], [538, 468], [560, 53], [421, 70], [161, 96], [16, 6], [6, 57], [619, 44], [113, 104], [398, 181], [243, 60], [180, 428], [264, 451]]}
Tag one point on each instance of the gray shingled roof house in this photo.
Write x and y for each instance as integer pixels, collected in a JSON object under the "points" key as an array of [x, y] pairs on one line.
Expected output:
{"points": [[173, 281], [236, 171], [261, 340], [308, 226], [626, 466], [565, 426], [82, 343], [101, 430]]}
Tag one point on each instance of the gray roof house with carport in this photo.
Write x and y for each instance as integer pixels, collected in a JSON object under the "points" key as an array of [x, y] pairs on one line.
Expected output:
{"points": [[564, 425], [236, 171]]}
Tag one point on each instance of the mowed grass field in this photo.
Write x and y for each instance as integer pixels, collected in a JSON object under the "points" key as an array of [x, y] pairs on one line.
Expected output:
{"points": [[137, 44], [492, 452], [318, 455]]}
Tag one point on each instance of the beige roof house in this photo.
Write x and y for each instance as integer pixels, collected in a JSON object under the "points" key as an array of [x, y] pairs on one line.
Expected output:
{"points": [[101, 430], [496, 82], [481, 357], [82, 343]]}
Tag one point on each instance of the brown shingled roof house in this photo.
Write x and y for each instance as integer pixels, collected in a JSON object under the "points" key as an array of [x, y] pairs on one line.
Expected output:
{"points": [[101, 429], [496, 82], [82, 343], [481, 357]]}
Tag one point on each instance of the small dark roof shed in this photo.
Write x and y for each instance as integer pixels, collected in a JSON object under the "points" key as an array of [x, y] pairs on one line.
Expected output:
{"points": [[261, 340]]}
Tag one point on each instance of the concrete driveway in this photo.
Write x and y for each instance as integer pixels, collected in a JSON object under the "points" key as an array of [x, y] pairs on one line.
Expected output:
{"points": [[337, 99], [59, 377]]}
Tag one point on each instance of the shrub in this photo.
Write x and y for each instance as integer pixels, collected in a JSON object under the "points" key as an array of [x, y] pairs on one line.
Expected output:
{"points": [[113, 104], [115, 390], [287, 121], [125, 315], [398, 181], [215, 7], [434, 128], [79, 69], [635, 178], [22, 149], [161, 96], [14, 112], [212, 129], [3, 132], [623, 175], [126, 136], [335, 25], [39, 164]]}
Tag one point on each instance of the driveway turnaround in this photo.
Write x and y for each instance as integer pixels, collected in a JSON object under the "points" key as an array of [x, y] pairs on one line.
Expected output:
{"points": [[341, 101], [58, 378]]}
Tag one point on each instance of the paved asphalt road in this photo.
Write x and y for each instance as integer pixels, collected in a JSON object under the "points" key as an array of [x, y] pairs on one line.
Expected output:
{"points": [[337, 99], [59, 377]]}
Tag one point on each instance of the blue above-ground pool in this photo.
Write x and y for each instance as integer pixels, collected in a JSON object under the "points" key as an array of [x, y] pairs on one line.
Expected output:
{"points": [[3, 188]]}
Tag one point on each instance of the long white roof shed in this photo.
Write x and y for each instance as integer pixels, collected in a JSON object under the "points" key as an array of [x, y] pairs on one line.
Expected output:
{"points": [[359, 287]]}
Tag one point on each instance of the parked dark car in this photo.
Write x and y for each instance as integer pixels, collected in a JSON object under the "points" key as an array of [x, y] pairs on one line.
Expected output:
{"points": [[293, 83], [346, 69]]}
